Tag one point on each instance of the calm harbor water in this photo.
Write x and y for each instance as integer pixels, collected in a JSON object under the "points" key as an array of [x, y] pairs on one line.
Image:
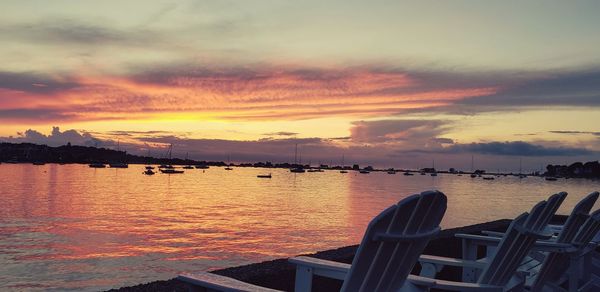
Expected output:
{"points": [[72, 227]]}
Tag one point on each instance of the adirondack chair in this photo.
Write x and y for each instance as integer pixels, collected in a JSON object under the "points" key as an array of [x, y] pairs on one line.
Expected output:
{"points": [[541, 264], [491, 240], [591, 200], [573, 265], [553, 205], [389, 250], [499, 273], [392, 243]]}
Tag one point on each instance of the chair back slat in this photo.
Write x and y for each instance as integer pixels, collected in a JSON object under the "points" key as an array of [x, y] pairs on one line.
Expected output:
{"points": [[515, 245], [552, 205], [383, 265], [577, 217], [579, 228], [588, 231]]}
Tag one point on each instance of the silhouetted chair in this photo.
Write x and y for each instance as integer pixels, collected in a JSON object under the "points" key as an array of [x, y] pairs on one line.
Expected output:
{"points": [[389, 250]]}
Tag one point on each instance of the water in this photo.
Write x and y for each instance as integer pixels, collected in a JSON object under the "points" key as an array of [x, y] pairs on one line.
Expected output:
{"points": [[72, 227]]}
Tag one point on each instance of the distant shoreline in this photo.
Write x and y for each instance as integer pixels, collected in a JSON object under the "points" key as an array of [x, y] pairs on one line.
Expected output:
{"points": [[73, 154]]}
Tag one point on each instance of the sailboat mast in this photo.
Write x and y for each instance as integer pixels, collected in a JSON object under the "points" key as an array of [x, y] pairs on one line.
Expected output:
{"points": [[520, 165], [296, 155]]}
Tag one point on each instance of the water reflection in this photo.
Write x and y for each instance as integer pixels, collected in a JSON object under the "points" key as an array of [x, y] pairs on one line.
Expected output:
{"points": [[72, 227]]}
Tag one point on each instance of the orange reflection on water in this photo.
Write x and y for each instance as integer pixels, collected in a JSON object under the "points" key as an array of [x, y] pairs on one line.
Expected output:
{"points": [[72, 227]]}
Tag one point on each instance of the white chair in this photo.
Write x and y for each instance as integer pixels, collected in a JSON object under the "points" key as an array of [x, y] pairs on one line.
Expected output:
{"points": [[389, 250], [499, 272], [575, 265], [547, 264]]}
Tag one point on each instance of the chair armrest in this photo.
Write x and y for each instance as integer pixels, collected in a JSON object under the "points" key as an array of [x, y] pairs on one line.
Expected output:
{"points": [[450, 285], [540, 245], [220, 283], [444, 261], [325, 268], [480, 239], [552, 246], [493, 233]]}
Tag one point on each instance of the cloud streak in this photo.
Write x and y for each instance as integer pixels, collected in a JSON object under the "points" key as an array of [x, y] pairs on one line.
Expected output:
{"points": [[512, 148], [273, 93]]}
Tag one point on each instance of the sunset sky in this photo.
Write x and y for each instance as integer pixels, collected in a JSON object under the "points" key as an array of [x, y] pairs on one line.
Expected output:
{"points": [[386, 83]]}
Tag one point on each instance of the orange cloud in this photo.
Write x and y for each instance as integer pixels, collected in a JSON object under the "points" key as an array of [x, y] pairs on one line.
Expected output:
{"points": [[262, 94]]}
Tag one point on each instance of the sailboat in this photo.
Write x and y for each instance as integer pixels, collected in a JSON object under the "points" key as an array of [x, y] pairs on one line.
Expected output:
{"points": [[343, 166], [296, 168], [149, 167], [434, 173], [169, 169], [473, 175], [521, 175], [119, 164], [167, 166], [148, 171], [228, 164], [186, 159]]}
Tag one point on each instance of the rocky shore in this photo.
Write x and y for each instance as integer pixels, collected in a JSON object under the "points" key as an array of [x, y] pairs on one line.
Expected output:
{"points": [[279, 274]]}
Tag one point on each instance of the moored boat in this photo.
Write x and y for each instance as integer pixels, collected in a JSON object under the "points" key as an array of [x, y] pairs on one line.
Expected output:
{"points": [[171, 171], [118, 165], [97, 165], [297, 170]]}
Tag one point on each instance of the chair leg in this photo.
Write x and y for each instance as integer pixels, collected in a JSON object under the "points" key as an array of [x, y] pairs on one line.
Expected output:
{"points": [[469, 252], [304, 277]]}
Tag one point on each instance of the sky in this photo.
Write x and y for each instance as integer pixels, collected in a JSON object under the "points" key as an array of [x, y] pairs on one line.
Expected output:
{"points": [[405, 84]]}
